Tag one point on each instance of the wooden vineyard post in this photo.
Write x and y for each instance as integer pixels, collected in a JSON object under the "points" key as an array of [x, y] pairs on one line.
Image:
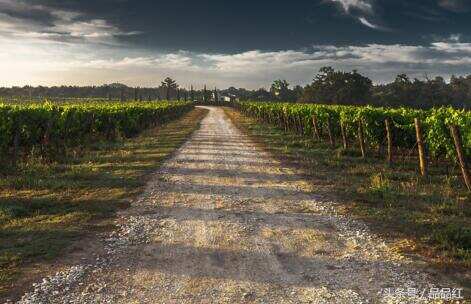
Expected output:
{"points": [[316, 127], [299, 125], [421, 147], [387, 123], [330, 132], [361, 139], [455, 133], [285, 121], [16, 145], [344, 135], [47, 136], [121, 97]]}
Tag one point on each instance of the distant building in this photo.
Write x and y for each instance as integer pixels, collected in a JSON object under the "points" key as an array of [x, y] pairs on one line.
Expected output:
{"points": [[227, 97]]}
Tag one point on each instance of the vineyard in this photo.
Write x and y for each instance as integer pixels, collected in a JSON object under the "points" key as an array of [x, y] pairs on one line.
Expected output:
{"points": [[50, 203], [439, 133], [47, 128]]}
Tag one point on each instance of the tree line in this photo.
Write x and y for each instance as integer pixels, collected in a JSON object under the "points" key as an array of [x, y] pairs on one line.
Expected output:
{"points": [[328, 86], [351, 88], [167, 90]]}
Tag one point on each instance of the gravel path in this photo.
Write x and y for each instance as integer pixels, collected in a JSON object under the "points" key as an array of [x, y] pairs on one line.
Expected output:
{"points": [[223, 222]]}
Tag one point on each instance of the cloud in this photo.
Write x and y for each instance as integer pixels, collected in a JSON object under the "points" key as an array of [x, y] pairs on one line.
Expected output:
{"points": [[86, 64], [455, 37], [174, 61], [19, 19], [359, 9], [349, 5], [369, 24], [458, 6], [257, 60], [456, 48]]}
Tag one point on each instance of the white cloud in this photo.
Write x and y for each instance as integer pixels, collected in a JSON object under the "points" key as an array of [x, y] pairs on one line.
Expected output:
{"points": [[369, 24], [455, 37], [56, 63], [255, 60], [347, 5], [359, 9], [452, 47], [175, 61]]}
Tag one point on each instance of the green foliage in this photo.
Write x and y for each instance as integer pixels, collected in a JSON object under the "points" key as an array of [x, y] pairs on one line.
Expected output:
{"points": [[48, 128], [454, 235], [11, 211], [280, 91], [435, 122], [169, 85], [338, 87]]}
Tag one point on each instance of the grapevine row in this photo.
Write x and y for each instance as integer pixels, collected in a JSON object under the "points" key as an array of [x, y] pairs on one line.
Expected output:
{"points": [[40, 128], [369, 123]]}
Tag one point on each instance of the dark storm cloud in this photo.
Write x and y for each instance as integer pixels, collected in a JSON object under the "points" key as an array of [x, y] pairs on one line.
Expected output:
{"points": [[236, 26], [42, 20], [28, 14]]}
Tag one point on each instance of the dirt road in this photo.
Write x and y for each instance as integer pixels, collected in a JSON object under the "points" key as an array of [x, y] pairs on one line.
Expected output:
{"points": [[223, 222]]}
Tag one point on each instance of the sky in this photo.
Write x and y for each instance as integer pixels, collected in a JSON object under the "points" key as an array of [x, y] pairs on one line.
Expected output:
{"points": [[229, 43]]}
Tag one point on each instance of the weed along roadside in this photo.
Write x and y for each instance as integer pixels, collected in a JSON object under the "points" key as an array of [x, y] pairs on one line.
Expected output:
{"points": [[426, 216], [53, 208]]}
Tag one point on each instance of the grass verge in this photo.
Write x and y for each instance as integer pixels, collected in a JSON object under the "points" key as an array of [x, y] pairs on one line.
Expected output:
{"points": [[426, 217], [45, 207]]}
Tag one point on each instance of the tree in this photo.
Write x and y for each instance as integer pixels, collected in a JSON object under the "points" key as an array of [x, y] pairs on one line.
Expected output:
{"points": [[280, 90], [122, 97], [205, 94], [338, 87], [261, 95], [460, 91], [298, 92], [192, 93], [216, 95], [402, 91], [169, 85], [136, 92]]}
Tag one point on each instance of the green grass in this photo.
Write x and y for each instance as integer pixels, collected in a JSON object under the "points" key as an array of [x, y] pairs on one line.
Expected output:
{"points": [[430, 217], [45, 207]]}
